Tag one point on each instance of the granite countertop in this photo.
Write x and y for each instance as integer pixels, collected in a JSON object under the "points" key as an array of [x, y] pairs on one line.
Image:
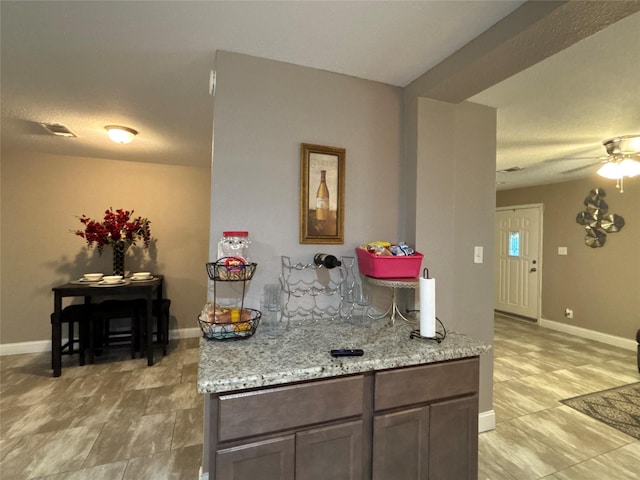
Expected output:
{"points": [[302, 353]]}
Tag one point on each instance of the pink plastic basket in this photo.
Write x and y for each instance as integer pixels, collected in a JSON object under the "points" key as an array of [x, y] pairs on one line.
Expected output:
{"points": [[378, 266]]}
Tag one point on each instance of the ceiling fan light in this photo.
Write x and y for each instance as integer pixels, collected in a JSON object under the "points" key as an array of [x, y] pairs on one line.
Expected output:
{"points": [[610, 170], [629, 168], [120, 134]]}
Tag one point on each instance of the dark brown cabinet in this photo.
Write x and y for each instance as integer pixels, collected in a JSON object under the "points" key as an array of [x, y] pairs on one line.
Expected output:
{"points": [[453, 439], [414, 423], [426, 422], [401, 445], [268, 460], [330, 452]]}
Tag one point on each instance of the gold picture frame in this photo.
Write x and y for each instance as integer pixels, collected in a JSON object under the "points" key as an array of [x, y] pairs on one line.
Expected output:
{"points": [[322, 173]]}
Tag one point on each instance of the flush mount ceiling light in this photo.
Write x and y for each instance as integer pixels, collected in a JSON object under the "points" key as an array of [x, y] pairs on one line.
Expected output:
{"points": [[120, 134], [623, 161]]}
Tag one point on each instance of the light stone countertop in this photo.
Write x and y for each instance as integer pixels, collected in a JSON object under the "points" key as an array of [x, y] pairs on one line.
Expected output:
{"points": [[302, 353]]}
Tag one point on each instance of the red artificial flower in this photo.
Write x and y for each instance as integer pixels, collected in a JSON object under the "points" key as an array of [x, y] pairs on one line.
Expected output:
{"points": [[116, 226]]}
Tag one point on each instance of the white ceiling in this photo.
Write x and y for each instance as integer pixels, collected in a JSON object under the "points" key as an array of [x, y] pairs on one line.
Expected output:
{"points": [[554, 116], [146, 65]]}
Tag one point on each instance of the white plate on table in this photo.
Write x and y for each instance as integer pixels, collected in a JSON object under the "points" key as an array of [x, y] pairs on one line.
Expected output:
{"points": [[84, 280], [105, 284], [142, 279]]}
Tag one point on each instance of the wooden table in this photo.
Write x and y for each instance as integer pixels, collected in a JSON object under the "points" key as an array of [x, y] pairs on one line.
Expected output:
{"points": [[130, 289]]}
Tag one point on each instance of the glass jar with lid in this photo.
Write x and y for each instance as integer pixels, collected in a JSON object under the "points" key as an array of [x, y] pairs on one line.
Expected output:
{"points": [[234, 244]]}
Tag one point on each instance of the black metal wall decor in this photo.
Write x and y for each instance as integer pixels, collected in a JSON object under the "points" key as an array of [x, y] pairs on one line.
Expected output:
{"points": [[596, 220]]}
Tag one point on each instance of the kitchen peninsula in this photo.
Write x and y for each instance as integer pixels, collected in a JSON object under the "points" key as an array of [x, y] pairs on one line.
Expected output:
{"points": [[284, 408]]}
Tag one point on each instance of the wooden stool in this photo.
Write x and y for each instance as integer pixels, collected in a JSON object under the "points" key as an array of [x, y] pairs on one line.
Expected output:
{"points": [[161, 313], [121, 309], [83, 315]]}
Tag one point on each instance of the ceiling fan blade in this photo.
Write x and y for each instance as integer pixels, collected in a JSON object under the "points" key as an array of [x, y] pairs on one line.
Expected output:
{"points": [[571, 159], [584, 167]]}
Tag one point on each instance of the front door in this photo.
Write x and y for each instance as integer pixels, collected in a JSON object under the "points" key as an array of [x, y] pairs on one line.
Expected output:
{"points": [[518, 244]]}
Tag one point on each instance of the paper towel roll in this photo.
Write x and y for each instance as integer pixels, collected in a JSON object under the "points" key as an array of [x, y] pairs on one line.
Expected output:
{"points": [[428, 307]]}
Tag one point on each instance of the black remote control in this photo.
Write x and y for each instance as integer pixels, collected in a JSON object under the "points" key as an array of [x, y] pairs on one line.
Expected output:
{"points": [[347, 352]]}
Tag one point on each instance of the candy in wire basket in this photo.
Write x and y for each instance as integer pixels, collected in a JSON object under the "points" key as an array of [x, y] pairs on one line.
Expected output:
{"points": [[222, 323], [230, 269]]}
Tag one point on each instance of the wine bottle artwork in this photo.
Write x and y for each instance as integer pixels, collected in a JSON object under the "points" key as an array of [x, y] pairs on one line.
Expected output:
{"points": [[322, 194], [322, 198]]}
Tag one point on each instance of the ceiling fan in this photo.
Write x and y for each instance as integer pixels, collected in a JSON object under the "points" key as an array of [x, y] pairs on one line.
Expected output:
{"points": [[622, 160]]}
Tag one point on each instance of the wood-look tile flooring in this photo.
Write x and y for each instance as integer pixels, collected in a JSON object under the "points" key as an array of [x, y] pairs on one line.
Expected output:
{"points": [[119, 419], [536, 436], [114, 420]]}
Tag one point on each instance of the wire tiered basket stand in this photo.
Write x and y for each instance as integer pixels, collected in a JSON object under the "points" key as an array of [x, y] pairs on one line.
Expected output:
{"points": [[229, 322]]}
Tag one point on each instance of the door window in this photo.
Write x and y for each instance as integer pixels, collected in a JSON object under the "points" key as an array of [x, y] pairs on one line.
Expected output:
{"points": [[514, 244]]}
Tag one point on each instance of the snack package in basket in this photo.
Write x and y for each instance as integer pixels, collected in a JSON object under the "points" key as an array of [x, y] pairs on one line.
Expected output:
{"points": [[227, 322], [213, 313], [386, 260]]}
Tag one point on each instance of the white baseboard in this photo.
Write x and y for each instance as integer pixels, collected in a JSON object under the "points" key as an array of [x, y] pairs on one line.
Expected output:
{"points": [[626, 343], [486, 421], [184, 333], [203, 476], [40, 346]]}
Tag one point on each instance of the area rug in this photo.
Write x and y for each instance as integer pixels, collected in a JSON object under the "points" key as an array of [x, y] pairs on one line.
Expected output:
{"points": [[617, 407]]}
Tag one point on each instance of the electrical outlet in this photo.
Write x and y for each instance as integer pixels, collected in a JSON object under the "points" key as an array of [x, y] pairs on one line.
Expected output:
{"points": [[568, 313]]}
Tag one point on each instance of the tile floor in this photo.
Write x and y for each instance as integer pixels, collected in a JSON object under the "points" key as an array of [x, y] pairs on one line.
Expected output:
{"points": [[114, 420], [536, 436], [119, 419]]}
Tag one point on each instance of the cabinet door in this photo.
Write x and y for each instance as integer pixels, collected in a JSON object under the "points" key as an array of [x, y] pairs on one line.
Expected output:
{"points": [[333, 452], [453, 439], [268, 460], [401, 445]]}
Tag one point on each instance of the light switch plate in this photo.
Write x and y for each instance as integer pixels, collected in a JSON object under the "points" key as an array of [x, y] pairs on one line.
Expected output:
{"points": [[562, 250], [478, 253]]}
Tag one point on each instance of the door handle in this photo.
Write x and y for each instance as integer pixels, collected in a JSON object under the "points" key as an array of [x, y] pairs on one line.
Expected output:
{"points": [[533, 269]]}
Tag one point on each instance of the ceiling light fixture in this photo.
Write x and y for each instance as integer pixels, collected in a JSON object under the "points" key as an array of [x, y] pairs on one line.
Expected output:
{"points": [[120, 134], [624, 159]]}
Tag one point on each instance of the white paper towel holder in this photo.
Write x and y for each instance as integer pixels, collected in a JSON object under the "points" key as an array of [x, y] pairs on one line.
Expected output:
{"points": [[438, 337]]}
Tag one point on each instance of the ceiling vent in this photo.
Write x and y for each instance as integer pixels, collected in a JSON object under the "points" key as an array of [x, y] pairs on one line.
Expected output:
{"points": [[57, 129]]}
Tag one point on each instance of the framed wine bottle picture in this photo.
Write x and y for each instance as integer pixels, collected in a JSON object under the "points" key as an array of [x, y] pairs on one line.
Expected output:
{"points": [[322, 194]]}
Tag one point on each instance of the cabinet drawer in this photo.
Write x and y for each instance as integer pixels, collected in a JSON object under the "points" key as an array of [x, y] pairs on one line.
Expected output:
{"points": [[274, 409], [414, 385]]}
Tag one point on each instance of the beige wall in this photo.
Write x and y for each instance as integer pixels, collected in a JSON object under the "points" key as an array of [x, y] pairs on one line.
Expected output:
{"points": [[41, 197], [263, 111], [454, 203], [601, 285]]}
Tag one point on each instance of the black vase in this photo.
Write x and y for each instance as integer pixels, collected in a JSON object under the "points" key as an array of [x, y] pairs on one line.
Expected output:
{"points": [[118, 258]]}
